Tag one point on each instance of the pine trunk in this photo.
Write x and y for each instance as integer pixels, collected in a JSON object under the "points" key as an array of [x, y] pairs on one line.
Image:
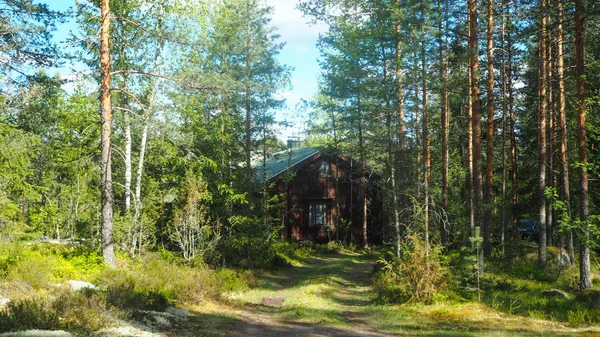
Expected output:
{"points": [[363, 179], [562, 125], [399, 81], [585, 275], [512, 121], [489, 171], [106, 112], [504, 127], [476, 125], [426, 138], [470, 137], [542, 136], [550, 130], [443, 43]]}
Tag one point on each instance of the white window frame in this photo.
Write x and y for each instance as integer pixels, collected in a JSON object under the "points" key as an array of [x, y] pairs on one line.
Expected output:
{"points": [[318, 213], [324, 169]]}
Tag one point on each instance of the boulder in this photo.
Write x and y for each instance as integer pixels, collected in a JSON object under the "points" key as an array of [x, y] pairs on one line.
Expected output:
{"points": [[272, 302], [79, 285], [562, 260], [178, 312], [556, 293], [37, 333], [4, 302], [590, 298]]}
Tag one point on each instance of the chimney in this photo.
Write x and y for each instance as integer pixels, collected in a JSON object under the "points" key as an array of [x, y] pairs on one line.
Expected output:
{"points": [[294, 143]]}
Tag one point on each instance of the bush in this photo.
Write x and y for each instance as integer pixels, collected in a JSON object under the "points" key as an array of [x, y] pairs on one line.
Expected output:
{"points": [[32, 313], [154, 279], [332, 247], [411, 277], [84, 310]]}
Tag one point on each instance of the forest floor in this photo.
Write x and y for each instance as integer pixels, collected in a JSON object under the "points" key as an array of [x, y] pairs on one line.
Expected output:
{"points": [[330, 295], [323, 295]]}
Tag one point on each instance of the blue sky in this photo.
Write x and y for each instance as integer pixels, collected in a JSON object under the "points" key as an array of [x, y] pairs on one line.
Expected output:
{"points": [[300, 53]]}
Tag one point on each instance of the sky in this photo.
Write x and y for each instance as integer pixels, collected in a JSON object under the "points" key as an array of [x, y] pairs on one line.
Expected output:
{"points": [[300, 53]]}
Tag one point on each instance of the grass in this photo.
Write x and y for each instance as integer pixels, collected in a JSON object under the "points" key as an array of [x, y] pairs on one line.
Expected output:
{"points": [[334, 290], [31, 276], [517, 287], [314, 290], [321, 288]]}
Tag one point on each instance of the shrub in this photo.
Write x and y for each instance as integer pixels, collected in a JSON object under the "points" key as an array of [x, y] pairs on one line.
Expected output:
{"points": [[154, 279], [332, 247], [411, 277], [32, 313], [125, 296], [84, 310], [230, 280]]}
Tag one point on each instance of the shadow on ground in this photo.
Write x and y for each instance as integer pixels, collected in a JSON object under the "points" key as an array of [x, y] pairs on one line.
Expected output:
{"points": [[253, 325]]}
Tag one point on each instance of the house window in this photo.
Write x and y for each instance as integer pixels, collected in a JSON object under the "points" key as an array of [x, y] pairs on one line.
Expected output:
{"points": [[324, 169], [318, 213]]}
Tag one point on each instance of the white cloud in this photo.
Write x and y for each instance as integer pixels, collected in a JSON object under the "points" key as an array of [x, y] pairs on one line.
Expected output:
{"points": [[292, 25]]}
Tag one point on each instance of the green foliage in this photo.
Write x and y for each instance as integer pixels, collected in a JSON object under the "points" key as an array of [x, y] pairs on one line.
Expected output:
{"points": [[413, 276], [332, 247], [249, 241], [29, 276], [156, 282], [192, 231], [86, 310], [33, 313], [42, 265]]}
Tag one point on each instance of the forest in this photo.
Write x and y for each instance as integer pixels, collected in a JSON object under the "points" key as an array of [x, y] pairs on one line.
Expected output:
{"points": [[128, 188]]}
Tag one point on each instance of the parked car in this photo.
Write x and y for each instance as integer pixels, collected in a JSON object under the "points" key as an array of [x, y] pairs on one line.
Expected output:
{"points": [[529, 229]]}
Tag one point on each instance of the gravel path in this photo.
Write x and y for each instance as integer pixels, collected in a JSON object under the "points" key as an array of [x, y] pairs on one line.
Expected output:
{"points": [[352, 294]]}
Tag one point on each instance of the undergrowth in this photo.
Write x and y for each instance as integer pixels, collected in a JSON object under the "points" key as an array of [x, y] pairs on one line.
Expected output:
{"points": [[31, 276], [514, 284], [414, 276]]}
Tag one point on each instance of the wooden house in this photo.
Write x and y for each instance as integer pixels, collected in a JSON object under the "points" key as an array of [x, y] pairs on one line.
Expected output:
{"points": [[322, 195]]}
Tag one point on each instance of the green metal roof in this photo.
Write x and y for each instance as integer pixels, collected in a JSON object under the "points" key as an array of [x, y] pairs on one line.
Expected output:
{"points": [[282, 161]]}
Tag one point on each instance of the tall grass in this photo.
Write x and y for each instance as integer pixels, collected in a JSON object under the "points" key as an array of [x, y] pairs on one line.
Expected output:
{"points": [[31, 276]]}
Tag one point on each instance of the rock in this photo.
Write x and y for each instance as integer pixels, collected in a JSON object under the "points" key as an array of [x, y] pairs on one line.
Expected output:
{"points": [[562, 260], [37, 333], [556, 293], [4, 302], [178, 312], [272, 302], [307, 243], [78, 285], [126, 331], [589, 297]]}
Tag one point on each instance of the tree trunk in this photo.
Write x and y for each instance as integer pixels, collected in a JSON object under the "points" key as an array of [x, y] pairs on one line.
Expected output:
{"points": [[443, 40], [470, 136], [426, 138], [542, 136], [504, 126], [489, 171], [390, 132], [512, 121], [476, 124], [106, 112], [127, 121], [562, 125], [585, 275], [551, 128], [399, 80], [140, 168], [363, 177], [417, 120], [247, 97]]}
